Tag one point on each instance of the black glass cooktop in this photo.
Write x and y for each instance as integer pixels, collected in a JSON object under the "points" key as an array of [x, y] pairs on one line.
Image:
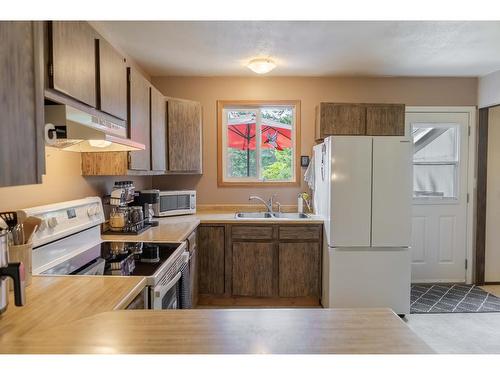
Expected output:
{"points": [[135, 258]]}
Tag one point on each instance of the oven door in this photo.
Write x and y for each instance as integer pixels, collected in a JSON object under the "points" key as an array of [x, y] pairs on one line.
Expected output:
{"points": [[167, 296]]}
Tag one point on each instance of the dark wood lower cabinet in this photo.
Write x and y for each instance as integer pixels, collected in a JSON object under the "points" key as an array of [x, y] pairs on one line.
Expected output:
{"points": [[253, 269], [259, 265], [299, 269], [211, 259]]}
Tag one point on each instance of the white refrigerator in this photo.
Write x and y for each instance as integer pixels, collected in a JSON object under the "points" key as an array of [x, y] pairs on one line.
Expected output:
{"points": [[363, 190]]}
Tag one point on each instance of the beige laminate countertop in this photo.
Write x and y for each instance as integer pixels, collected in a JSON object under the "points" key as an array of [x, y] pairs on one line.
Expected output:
{"points": [[228, 331], [55, 300], [178, 228]]}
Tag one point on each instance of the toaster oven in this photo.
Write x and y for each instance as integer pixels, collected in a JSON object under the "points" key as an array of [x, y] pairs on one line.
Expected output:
{"points": [[171, 203]]}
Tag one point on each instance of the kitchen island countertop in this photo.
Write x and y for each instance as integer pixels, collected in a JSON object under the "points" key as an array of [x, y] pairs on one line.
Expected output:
{"points": [[252, 331]]}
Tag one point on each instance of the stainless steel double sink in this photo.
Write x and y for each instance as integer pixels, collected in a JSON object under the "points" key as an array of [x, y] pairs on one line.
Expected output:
{"points": [[268, 215]]}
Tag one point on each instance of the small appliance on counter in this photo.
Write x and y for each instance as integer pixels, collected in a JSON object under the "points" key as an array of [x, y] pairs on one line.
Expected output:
{"points": [[125, 215], [13, 270], [147, 199], [172, 203]]}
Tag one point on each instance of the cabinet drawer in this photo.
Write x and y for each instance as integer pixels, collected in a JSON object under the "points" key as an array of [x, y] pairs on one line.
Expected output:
{"points": [[310, 232], [246, 232]]}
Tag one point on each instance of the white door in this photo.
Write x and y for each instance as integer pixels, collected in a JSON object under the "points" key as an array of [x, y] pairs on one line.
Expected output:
{"points": [[439, 211]]}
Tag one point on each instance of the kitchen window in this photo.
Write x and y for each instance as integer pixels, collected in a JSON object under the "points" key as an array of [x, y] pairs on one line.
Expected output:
{"points": [[435, 161], [257, 142]]}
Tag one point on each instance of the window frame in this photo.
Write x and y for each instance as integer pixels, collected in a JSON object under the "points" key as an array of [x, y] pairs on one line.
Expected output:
{"points": [[250, 105], [456, 163]]}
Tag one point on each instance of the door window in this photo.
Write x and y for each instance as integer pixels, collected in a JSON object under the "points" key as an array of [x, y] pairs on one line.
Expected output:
{"points": [[435, 161]]}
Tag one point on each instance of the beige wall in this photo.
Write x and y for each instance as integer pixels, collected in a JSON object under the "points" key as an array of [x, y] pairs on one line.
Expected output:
{"points": [[492, 257], [310, 91], [62, 181]]}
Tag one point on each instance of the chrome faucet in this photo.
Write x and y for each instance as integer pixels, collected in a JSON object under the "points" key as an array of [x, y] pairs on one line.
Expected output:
{"points": [[268, 204]]}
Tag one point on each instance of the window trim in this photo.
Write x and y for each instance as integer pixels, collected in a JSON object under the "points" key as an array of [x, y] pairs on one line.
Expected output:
{"points": [[221, 104]]}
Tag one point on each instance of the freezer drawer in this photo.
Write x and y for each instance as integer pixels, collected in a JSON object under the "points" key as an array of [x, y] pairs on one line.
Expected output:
{"points": [[371, 277]]}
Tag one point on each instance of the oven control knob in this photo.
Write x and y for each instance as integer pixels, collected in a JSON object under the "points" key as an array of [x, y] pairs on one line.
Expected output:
{"points": [[97, 209], [43, 225], [91, 211], [52, 222]]}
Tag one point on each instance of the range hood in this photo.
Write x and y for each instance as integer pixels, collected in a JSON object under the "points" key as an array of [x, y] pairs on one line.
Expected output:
{"points": [[71, 129]]}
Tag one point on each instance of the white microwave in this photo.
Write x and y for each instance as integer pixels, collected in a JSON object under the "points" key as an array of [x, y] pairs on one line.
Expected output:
{"points": [[171, 203]]}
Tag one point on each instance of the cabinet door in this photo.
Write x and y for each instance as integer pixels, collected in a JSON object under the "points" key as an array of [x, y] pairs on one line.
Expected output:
{"points": [[184, 133], [211, 245], [73, 63], [138, 121], [342, 119], [158, 131], [112, 81], [385, 119], [254, 269], [21, 103], [299, 269]]}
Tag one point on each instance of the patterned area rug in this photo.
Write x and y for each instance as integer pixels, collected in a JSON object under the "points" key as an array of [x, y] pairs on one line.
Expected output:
{"points": [[451, 298]]}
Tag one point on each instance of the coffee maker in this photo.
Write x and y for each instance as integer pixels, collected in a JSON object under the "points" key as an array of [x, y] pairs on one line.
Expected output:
{"points": [[125, 216], [13, 270], [146, 199]]}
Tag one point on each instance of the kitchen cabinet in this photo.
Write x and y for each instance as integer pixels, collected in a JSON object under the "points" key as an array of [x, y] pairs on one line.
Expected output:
{"points": [[261, 264], [112, 73], [22, 157], [341, 119], [72, 60], [299, 269], [184, 136], [253, 269], [211, 254], [158, 131], [139, 119], [359, 119], [385, 119]]}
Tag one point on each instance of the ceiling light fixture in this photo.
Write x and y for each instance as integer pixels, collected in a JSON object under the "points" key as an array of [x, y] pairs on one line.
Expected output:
{"points": [[261, 66]]}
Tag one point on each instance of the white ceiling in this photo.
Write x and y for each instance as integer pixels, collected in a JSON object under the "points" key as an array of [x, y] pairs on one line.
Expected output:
{"points": [[300, 48]]}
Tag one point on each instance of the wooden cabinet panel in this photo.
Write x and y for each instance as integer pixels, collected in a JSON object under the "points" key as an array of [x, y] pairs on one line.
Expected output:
{"points": [[112, 80], [385, 119], [253, 269], [184, 136], [342, 119], [299, 269], [158, 131], [72, 59], [253, 232], [307, 232], [21, 103], [210, 253], [139, 119]]}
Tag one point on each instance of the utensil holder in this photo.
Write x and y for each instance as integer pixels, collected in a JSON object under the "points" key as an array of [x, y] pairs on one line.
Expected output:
{"points": [[22, 253]]}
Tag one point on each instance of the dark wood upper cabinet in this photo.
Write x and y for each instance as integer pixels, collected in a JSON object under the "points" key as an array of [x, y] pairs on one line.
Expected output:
{"points": [[184, 133], [359, 119], [72, 60], [112, 72], [22, 158], [341, 119], [254, 269], [385, 119], [299, 269], [158, 130], [210, 263], [139, 119]]}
